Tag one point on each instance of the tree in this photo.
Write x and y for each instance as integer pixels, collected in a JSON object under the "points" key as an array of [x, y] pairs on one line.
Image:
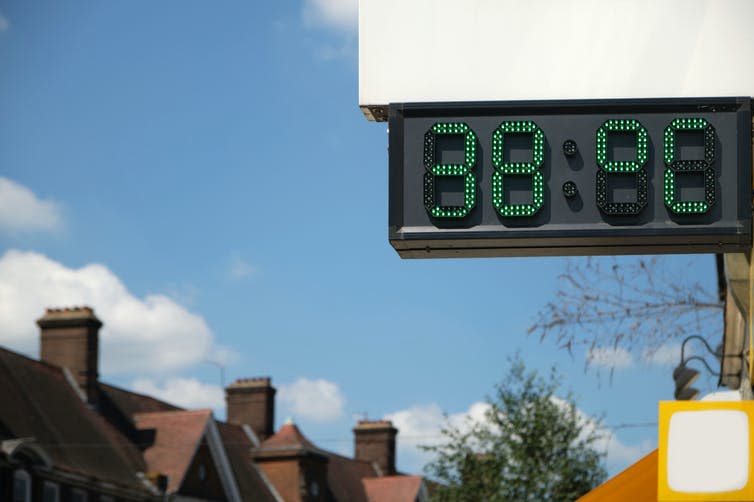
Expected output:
{"points": [[629, 304], [532, 446]]}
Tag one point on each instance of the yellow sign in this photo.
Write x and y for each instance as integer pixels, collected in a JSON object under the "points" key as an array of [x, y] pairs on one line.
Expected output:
{"points": [[705, 451]]}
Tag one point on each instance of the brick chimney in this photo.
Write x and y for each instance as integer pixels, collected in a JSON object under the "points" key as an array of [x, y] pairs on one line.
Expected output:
{"points": [[251, 401], [69, 338], [374, 441]]}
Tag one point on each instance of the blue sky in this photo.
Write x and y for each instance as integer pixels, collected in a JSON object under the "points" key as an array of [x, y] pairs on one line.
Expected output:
{"points": [[201, 175]]}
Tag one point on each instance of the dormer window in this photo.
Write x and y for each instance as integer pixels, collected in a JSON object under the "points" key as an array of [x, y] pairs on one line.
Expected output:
{"points": [[50, 492], [21, 486], [78, 495]]}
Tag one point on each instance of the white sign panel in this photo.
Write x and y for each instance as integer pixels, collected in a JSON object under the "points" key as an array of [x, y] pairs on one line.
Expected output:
{"points": [[501, 50]]}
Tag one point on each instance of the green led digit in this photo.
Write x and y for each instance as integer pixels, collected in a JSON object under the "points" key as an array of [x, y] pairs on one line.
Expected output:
{"points": [[673, 166], [622, 167], [435, 170], [532, 169]]}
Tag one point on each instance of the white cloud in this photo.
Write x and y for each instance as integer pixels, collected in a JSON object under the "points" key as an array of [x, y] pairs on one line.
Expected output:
{"points": [[185, 293], [621, 455], [185, 392], [4, 24], [341, 15], [331, 52], [418, 423], [723, 395], [316, 400], [240, 269], [220, 355], [605, 357], [153, 335], [620, 358], [421, 425], [618, 455], [21, 209], [665, 355]]}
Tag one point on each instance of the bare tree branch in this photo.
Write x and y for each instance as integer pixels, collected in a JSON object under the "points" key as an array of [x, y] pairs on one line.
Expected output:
{"points": [[633, 304]]}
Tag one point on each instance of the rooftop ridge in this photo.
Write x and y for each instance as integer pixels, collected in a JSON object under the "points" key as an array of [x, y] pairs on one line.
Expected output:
{"points": [[199, 411], [47, 365], [343, 457], [138, 394]]}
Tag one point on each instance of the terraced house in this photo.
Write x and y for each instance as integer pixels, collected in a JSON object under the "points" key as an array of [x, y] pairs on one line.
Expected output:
{"points": [[67, 436]]}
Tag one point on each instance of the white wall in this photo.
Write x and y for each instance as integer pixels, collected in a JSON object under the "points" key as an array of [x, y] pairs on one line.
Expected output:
{"points": [[476, 50]]}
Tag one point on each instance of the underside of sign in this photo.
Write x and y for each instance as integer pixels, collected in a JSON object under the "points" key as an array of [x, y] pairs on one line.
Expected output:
{"points": [[478, 50], [587, 177]]}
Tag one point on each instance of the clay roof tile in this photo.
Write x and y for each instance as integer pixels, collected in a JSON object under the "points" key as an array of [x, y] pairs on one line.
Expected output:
{"points": [[392, 488], [288, 437], [177, 437]]}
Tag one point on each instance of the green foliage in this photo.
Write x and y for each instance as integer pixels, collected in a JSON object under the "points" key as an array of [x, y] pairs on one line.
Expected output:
{"points": [[532, 446]]}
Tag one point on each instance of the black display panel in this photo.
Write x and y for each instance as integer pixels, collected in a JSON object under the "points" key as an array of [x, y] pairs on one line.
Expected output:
{"points": [[570, 177]]}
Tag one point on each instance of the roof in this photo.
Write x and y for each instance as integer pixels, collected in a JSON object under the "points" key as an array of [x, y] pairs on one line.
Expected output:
{"points": [[250, 481], [37, 400], [128, 434], [289, 437], [345, 475], [637, 482], [178, 435], [237, 446], [393, 488], [131, 403]]}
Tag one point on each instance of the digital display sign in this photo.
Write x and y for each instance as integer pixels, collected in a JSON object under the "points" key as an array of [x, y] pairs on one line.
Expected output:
{"points": [[570, 177]]}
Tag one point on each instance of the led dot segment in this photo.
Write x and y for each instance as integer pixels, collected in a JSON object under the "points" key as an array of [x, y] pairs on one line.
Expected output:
{"points": [[504, 168], [622, 126], [675, 166], [435, 170], [633, 168]]}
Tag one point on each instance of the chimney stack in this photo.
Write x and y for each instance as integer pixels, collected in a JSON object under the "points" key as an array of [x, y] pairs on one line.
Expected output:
{"points": [[69, 338], [251, 401], [374, 441]]}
